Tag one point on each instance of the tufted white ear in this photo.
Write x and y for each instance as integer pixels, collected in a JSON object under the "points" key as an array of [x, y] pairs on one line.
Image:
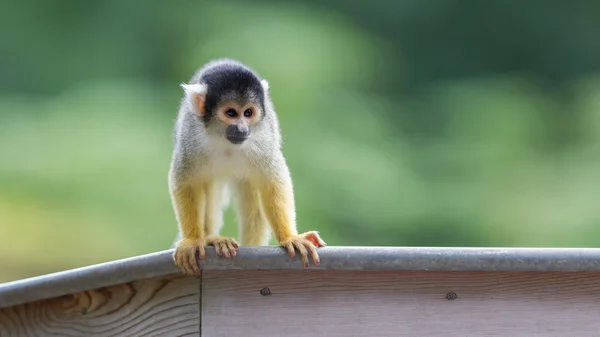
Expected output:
{"points": [[265, 85], [195, 95]]}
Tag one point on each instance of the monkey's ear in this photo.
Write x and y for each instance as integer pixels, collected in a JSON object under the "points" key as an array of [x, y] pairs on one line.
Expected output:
{"points": [[265, 85], [195, 94]]}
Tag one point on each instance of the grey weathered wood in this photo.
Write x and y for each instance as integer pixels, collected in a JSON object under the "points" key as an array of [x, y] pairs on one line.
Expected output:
{"points": [[400, 303], [165, 306], [355, 291], [85, 278], [332, 258]]}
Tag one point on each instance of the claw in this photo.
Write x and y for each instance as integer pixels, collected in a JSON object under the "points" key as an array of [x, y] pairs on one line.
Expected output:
{"points": [[185, 256], [232, 247], [224, 249], [313, 237], [223, 245], [304, 243]]}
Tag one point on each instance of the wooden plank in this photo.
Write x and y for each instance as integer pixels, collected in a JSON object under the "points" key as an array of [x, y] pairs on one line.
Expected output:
{"points": [[332, 258], [85, 278], [164, 306], [400, 303]]}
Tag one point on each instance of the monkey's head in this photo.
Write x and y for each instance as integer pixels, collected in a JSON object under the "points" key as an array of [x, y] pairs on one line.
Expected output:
{"points": [[229, 98]]}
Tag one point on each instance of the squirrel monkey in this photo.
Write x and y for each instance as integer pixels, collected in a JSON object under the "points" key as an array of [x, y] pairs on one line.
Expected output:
{"points": [[227, 136]]}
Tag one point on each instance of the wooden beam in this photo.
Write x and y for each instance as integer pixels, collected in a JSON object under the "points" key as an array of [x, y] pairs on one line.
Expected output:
{"points": [[356, 291], [164, 306], [400, 303]]}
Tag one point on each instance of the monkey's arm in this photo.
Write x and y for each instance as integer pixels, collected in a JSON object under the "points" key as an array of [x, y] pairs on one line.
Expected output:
{"points": [[278, 202], [189, 209], [213, 221], [253, 227]]}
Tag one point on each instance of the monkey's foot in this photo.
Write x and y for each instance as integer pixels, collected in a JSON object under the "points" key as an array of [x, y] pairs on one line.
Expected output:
{"points": [[223, 245], [185, 255], [304, 242]]}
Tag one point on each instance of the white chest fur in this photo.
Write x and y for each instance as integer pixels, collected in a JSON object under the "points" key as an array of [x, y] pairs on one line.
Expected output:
{"points": [[228, 162]]}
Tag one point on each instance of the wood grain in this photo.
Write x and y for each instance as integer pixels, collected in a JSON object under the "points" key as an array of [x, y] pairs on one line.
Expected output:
{"points": [[347, 303], [167, 306]]}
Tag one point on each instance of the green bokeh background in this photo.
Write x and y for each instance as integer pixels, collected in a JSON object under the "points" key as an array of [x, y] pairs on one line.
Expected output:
{"points": [[429, 123]]}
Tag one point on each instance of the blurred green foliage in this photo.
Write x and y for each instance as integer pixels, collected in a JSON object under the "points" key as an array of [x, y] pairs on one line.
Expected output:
{"points": [[438, 123]]}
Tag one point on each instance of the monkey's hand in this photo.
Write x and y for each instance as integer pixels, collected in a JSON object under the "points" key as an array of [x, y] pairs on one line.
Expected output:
{"points": [[304, 242], [223, 245], [185, 255]]}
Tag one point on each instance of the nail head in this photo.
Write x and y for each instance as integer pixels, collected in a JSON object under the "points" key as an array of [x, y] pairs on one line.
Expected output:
{"points": [[451, 296]]}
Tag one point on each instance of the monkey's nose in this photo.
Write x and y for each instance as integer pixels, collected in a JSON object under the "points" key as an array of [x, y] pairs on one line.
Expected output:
{"points": [[237, 134]]}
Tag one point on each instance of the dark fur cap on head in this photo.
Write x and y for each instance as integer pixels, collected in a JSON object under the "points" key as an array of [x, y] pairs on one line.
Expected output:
{"points": [[231, 80]]}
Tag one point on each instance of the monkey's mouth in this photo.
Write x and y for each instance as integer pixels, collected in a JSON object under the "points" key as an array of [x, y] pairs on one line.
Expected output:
{"points": [[237, 134], [237, 139]]}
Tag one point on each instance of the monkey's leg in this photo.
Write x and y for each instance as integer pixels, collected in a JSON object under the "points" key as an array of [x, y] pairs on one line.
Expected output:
{"points": [[253, 227], [278, 203], [215, 202], [188, 201]]}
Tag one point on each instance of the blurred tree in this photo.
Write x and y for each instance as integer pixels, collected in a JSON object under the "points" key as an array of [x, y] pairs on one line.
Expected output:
{"points": [[442, 122]]}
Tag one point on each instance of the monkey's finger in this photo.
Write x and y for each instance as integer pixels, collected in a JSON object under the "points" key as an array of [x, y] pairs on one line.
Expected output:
{"points": [[223, 246], [217, 248], [313, 252], [303, 253], [320, 242], [178, 261], [192, 265], [194, 261], [181, 261], [201, 252], [313, 237], [232, 247], [290, 249]]}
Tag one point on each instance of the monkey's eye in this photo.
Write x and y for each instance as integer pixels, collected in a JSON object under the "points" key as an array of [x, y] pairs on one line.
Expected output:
{"points": [[231, 113], [248, 113]]}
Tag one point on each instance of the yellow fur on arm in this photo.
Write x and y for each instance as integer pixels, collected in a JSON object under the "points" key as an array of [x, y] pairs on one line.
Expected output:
{"points": [[213, 219], [189, 209], [253, 226], [278, 203]]}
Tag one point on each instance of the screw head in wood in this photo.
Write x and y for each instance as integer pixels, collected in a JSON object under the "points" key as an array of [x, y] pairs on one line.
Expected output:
{"points": [[451, 296], [265, 291]]}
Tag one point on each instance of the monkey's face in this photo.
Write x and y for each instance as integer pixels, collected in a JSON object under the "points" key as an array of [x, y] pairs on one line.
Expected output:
{"points": [[237, 120], [230, 102]]}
